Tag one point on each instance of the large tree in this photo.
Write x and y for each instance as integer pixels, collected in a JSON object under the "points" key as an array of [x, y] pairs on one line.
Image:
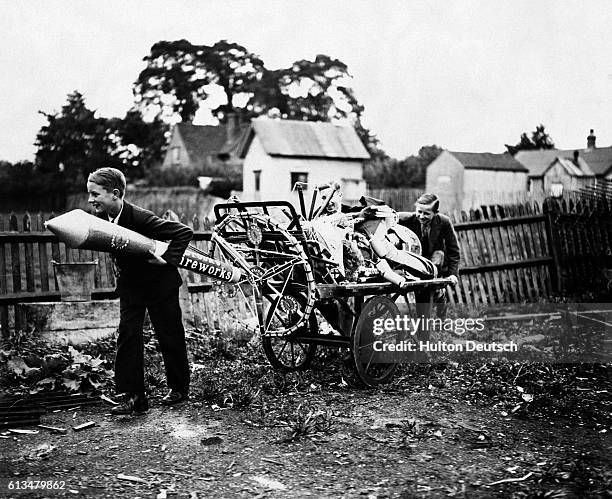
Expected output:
{"points": [[139, 144], [539, 140], [180, 76], [74, 142]]}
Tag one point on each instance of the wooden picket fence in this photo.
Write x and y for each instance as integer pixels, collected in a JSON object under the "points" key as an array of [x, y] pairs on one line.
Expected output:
{"points": [[525, 252], [509, 254], [505, 255], [27, 252]]}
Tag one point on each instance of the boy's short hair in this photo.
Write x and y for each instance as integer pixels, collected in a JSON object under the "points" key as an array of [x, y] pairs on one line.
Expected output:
{"points": [[109, 178], [429, 198]]}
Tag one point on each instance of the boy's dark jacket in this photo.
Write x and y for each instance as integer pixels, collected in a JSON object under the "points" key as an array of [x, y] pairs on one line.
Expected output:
{"points": [[442, 236], [136, 272]]}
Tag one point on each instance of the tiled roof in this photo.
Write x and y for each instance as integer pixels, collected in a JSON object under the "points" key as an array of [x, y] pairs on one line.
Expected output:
{"points": [[599, 159], [488, 161], [202, 140], [537, 162], [307, 139]]}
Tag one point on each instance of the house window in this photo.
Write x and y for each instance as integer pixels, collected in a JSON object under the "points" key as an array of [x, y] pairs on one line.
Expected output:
{"points": [[556, 189], [444, 179], [299, 177], [257, 175], [176, 155]]}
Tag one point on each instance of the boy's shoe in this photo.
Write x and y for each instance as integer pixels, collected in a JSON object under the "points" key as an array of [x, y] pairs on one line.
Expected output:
{"points": [[132, 403], [174, 397]]}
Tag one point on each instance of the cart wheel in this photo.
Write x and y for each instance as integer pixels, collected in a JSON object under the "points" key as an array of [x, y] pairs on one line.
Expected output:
{"points": [[371, 373], [276, 270], [288, 355]]}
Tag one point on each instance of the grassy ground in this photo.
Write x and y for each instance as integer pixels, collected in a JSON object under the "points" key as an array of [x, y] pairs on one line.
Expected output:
{"points": [[448, 430]]}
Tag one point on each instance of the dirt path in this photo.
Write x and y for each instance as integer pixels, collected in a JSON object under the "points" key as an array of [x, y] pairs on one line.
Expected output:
{"points": [[401, 441]]}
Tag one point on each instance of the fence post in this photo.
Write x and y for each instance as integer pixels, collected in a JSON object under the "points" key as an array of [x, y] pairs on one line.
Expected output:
{"points": [[4, 316], [553, 241], [28, 254]]}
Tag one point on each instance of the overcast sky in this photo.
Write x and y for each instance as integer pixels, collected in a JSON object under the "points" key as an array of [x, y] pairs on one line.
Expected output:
{"points": [[465, 75]]}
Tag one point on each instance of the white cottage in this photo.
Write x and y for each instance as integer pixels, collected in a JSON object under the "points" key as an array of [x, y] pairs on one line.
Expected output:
{"points": [[279, 153]]}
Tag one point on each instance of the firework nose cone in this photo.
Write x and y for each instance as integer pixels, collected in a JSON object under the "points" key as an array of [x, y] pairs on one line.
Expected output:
{"points": [[71, 228]]}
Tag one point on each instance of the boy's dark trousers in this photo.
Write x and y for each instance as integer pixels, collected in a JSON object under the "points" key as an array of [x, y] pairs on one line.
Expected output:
{"points": [[165, 314]]}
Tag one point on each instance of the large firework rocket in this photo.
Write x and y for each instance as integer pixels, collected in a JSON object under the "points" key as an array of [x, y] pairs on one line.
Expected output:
{"points": [[81, 230]]}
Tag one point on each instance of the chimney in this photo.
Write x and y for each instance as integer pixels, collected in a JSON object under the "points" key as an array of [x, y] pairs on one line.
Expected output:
{"points": [[591, 140], [232, 127]]}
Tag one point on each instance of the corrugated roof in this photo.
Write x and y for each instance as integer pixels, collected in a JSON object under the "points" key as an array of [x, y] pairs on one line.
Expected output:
{"points": [[488, 161], [575, 170], [306, 139], [537, 162]]}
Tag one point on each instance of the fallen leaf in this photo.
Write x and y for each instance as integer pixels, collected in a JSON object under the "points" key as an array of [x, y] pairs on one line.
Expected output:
{"points": [[19, 367], [43, 451], [71, 384], [78, 357]]}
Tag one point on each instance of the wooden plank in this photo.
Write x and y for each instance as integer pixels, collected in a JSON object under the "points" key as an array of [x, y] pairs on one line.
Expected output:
{"points": [[486, 258], [509, 274], [524, 274], [28, 255], [533, 248], [553, 245], [500, 296], [484, 291], [475, 260], [546, 281], [467, 281], [3, 264], [47, 296], [518, 252], [55, 255], [15, 257], [497, 222], [513, 264], [97, 294], [496, 254], [500, 256], [110, 269], [43, 258], [68, 252], [4, 315], [465, 286]]}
